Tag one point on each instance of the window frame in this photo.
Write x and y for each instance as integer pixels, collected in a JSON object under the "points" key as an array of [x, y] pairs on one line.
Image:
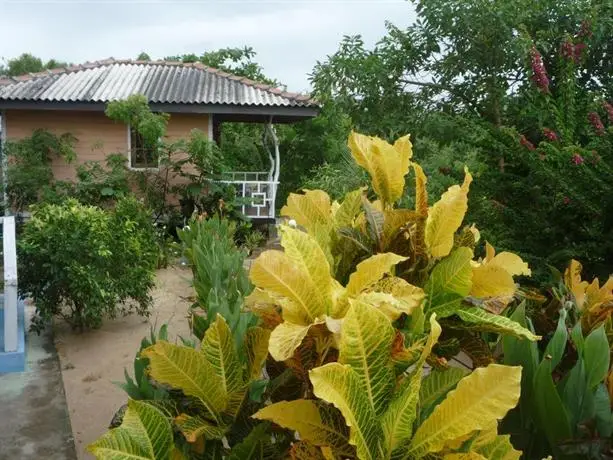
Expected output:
{"points": [[137, 168]]}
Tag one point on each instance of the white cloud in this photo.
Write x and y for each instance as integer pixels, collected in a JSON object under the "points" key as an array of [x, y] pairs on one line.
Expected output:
{"points": [[289, 36]]}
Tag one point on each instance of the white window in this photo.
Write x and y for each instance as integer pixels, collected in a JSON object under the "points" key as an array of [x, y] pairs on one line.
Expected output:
{"points": [[141, 154]]}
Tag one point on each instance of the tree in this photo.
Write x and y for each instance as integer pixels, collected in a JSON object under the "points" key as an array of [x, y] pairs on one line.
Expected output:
{"points": [[514, 89], [28, 63]]}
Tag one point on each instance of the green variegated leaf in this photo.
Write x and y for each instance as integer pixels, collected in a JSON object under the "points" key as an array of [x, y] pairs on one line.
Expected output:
{"points": [[144, 434], [375, 220], [474, 405], [349, 209], [196, 427], [316, 422], [188, 370], [218, 347], [366, 342], [258, 445], [498, 447], [481, 320], [256, 344], [449, 282], [435, 386], [339, 385], [402, 412]]}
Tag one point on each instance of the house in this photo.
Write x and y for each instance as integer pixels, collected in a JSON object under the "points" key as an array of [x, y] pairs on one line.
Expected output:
{"points": [[73, 100]]}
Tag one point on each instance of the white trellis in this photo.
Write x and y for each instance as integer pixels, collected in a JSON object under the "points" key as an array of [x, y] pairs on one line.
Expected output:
{"points": [[258, 189]]}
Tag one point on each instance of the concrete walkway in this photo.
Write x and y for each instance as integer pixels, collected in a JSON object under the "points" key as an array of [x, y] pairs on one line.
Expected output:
{"points": [[34, 422]]}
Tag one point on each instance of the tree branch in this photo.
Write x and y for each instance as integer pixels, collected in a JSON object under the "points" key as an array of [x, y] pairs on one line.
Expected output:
{"points": [[450, 90]]}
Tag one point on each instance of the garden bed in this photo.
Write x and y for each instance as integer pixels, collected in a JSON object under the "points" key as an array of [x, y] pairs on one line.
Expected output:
{"points": [[92, 361]]}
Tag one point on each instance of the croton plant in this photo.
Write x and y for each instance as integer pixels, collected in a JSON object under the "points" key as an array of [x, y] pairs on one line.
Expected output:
{"points": [[361, 316]]}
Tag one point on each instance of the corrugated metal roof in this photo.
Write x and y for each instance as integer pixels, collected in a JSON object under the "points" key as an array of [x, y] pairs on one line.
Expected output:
{"points": [[160, 81]]}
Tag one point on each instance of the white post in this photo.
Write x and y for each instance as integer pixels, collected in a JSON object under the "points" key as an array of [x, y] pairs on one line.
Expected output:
{"points": [[5, 162], [270, 158], [10, 284], [275, 179]]}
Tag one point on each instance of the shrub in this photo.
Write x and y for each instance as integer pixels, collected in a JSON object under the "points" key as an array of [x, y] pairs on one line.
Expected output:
{"points": [[348, 316], [219, 277], [83, 264], [29, 172]]}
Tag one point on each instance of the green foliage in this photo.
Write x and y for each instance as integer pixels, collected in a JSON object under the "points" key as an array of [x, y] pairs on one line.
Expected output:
{"points": [[219, 278], [141, 388], [98, 185], [27, 63], [565, 404], [517, 91], [29, 173], [84, 264]]}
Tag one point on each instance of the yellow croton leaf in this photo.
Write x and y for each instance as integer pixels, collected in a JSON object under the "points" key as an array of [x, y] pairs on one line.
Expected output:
{"points": [[421, 193], [598, 304], [387, 164], [494, 276], [309, 209], [345, 213], [480, 398], [316, 422], [465, 456], [286, 337], [300, 274], [494, 446], [404, 146], [372, 270], [572, 279], [445, 217]]}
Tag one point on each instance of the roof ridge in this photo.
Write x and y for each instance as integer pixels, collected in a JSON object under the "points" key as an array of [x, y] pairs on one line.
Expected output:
{"points": [[299, 97]]}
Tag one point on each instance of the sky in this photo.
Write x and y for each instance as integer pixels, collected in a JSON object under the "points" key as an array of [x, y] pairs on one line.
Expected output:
{"points": [[289, 36]]}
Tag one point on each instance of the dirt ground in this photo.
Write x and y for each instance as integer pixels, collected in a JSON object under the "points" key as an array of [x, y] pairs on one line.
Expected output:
{"points": [[92, 361]]}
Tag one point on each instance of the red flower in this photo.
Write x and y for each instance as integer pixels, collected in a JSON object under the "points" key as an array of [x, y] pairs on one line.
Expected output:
{"points": [[572, 51], [579, 47], [609, 108], [596, 123], [585, 30], [566, 200], [577, 159], [539, 74], [550, 135], [568, 49], [526, 143]]}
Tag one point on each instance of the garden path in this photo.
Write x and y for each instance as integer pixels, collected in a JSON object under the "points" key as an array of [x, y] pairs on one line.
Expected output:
{"points": [[93, 360]]}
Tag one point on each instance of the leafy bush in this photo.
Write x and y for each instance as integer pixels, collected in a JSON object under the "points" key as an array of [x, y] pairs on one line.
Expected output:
{"points": [[565, 408], [84, 264], [348, 314], [219, 278], [29, 172]]}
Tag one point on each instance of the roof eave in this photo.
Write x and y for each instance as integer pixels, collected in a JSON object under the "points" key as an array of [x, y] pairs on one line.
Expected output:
{"points": [[255, 112]]}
